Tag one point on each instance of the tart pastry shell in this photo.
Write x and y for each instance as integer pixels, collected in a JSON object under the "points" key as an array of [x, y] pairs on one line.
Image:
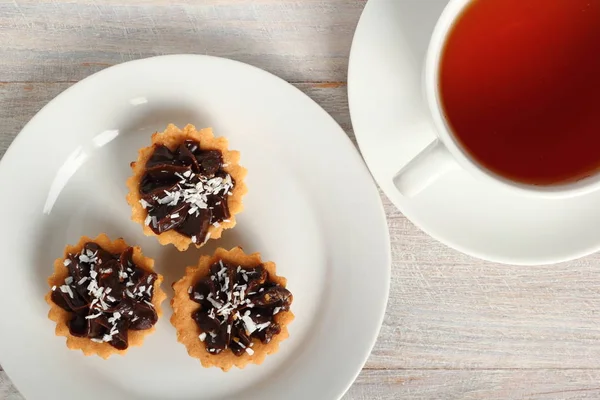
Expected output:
{"points": [[62, 317], [171, 138], [187, 329]]}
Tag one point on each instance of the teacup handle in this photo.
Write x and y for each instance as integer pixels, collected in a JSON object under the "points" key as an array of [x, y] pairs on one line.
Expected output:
{"points": [[423, 170]]}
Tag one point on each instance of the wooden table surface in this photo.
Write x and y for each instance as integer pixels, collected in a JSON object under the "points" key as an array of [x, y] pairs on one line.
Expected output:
{"points": [[456, 327]]}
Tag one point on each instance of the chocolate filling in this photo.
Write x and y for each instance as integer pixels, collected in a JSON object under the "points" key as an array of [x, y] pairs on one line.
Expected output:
{"points": [[237, 305], [107, 295], [185, 190]]}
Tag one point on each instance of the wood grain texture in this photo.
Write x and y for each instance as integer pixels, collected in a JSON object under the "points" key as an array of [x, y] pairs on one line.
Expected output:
{"points": [[456, 327], [448, 310], [301, 41], [7, 390], [476, 385]]}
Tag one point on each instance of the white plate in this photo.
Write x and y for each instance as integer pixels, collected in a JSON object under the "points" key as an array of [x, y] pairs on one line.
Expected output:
{"points": [[312, 208], [392, 123]]}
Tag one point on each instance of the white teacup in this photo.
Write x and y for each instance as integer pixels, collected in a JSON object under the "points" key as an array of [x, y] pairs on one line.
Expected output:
{"points": [[445, 152]]}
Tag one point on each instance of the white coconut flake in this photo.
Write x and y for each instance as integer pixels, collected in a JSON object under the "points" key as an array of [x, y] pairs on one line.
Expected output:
{"points": [[148, 220], [190, 290], [67, 262], [165, 200], [249, 351], [176, 215], [262, 326], [202, 336], [93, 274], [103, 305], [214, 302], [150, 304], [144, 204], [54, 288], [250, 325], [194, 239], [82, 280], [225, 310], [67, 289], [68, 280], [92, 316], [97, 340], [276, 310]]}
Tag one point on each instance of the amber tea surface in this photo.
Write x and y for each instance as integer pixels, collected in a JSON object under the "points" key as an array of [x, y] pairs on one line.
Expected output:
{"points": [[520, 87]]}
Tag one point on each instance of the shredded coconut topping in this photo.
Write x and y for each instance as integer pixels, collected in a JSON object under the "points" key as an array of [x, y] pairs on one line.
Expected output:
{"points": [[91, 291], [230, 315]]}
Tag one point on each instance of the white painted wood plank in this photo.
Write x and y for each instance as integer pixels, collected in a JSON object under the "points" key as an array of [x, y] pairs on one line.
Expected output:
{"points": [[476, 385], [66, 41], [448, 310], [7, 389]]}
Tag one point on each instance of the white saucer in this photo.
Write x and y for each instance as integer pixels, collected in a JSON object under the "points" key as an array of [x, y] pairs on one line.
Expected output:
{"points": [[321, 222], [391, 124]]}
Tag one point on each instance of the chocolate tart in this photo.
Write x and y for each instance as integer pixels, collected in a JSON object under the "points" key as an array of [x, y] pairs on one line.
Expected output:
{"points": [[231, 309], [186, 187], [104, 296]]}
